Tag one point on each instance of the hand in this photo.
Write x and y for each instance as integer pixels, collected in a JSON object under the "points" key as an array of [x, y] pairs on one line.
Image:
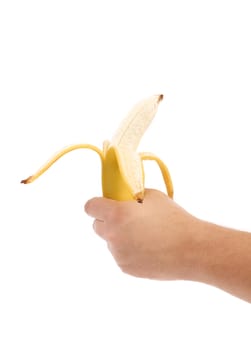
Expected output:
{"points": [[152, 239]]}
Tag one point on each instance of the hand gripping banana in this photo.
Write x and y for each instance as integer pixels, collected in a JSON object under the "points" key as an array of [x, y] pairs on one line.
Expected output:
{"points": [[122, 166]]}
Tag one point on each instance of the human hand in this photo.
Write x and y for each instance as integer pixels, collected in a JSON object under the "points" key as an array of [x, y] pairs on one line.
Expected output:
{"points": [[153, 239]]}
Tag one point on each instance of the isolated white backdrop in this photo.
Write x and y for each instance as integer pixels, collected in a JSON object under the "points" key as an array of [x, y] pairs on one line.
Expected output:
{"points": [[69, 72]]}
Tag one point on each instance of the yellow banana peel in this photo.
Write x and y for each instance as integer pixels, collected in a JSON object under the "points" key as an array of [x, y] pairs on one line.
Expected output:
{"points": [[122, 166]]}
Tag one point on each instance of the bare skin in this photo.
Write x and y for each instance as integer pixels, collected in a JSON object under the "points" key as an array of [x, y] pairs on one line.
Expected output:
{"points": [[160, 240]]}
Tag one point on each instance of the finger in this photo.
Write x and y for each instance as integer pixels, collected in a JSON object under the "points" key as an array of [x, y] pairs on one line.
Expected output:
{"points": [[99, 207], [99, 228]]}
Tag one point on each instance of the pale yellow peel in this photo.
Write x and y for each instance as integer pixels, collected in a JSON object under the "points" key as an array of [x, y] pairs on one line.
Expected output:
{"points": [[59, 155], [164, 171]]}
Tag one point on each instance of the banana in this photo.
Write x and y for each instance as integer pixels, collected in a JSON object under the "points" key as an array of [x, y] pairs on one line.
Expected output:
{"points": [[122, 167]]}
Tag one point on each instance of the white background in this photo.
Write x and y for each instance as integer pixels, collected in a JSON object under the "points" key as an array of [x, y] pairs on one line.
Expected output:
{"points": [[69, 72]]}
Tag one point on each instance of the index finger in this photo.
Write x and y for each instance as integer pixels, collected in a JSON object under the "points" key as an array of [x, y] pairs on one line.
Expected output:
{"points": [[99, 207]]}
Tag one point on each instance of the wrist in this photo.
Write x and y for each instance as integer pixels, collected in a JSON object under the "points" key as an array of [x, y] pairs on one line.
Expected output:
{"points": [[213, 255], [196, 250], [220, 257]]}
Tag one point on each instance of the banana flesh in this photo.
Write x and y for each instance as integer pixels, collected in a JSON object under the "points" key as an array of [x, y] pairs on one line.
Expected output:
{"points": [[122, 166]]}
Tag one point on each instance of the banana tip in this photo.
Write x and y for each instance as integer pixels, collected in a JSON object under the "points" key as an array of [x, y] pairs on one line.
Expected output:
{"points": [[140, 197], [26, 181], [160, 97]]}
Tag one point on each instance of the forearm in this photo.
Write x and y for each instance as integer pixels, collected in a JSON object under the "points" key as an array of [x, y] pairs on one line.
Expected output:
{"points": [[222, 258]]}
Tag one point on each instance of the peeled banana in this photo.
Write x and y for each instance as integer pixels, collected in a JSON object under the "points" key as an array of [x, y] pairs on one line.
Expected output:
{"points": [[122, 166]]}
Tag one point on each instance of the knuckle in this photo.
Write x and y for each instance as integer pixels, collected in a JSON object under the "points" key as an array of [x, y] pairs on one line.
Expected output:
{"points": [[117, 214], [88, 206], [99, 227]]}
